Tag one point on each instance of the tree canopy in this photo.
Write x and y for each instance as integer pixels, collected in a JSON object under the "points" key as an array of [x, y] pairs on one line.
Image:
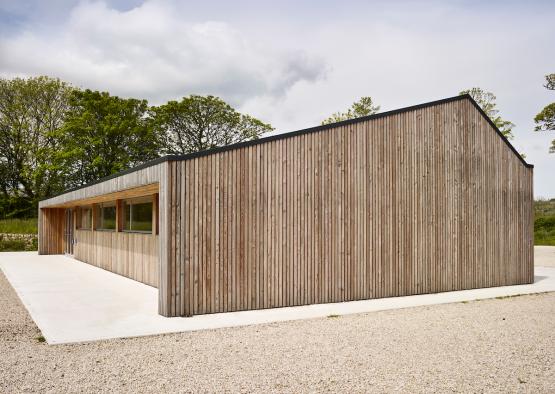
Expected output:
{"points": [[31, 110], [550, 82], [363, 107], [104, 134], [54, 136], [545, 120], [198, 123], [486, 100]]}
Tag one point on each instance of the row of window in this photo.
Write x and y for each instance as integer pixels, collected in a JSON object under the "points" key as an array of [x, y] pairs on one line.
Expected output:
{"points": [[136, 215]]}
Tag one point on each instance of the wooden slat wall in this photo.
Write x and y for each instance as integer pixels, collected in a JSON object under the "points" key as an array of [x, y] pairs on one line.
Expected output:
{"points": [[51, 230], [133, 255], [423, 201], [130, 254]]}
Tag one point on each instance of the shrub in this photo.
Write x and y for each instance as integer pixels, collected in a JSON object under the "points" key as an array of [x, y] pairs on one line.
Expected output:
{"points": [[15, 244]]}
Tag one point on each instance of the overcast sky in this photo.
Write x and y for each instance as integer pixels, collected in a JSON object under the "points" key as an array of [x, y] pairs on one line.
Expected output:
{"points": [[292, 63]]}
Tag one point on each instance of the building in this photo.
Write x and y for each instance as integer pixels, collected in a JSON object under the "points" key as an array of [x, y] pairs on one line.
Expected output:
{"points": [[423, 199]]}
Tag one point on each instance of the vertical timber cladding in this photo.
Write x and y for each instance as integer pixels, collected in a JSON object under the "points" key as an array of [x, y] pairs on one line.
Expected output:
{"points": [[135, 255], [421, 201], [51, 225]]}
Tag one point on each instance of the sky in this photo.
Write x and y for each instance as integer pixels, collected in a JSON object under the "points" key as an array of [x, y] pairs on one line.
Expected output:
{"points": [[293, 63]]}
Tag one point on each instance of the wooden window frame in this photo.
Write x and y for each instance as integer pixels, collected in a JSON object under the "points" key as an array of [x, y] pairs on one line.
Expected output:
{"points": [[139, 200], [99, 211], [79, 218]]}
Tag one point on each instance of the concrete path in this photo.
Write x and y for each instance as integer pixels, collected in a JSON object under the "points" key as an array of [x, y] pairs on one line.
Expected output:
{"points": [[71, 301], [544, 256]]}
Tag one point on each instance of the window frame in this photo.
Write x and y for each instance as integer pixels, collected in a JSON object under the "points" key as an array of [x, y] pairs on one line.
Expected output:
{"points": [[135, 201], [100, 217], [79, 221]]}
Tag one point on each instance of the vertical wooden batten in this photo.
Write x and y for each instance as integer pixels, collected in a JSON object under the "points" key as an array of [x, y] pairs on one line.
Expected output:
{"points": [[426, 199], [377, 208], [164, 290], [119, 215], [51, 230]]}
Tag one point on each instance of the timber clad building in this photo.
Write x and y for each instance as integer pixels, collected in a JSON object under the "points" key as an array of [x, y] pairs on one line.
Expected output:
{"points": [[424, 199]]}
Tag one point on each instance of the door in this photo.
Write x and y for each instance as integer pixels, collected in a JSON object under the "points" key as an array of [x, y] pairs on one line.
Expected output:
{"points": [[68, 236]]}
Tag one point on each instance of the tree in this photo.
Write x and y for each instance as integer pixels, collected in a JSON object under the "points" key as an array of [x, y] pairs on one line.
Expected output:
{"points": [[104, 134], [31, 110], [550, 82], [545, 120], [486, 100], [360, 108], [198, 123]]}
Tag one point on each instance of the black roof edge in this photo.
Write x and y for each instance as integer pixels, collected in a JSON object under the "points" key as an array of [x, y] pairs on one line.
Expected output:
{"points": [[297, 133], [477, 106]]}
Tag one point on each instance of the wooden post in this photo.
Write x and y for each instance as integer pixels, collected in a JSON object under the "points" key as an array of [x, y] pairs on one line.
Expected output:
{"points": [[93, 217], [119, 215], [155, 214], [164, 251]]}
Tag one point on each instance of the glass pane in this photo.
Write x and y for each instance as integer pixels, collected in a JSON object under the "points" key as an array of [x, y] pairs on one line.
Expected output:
{"points": [[141, 217], [109, 218], [98, 217], [127, 217]]}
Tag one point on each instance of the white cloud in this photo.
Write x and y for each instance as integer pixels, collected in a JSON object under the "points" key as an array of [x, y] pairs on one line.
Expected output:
{"points": [[293, 63], [148, 51]]}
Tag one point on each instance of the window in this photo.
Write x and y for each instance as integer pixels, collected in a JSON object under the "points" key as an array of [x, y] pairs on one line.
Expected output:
{"points": [[106, 216], [138, 214], [84, 220]]}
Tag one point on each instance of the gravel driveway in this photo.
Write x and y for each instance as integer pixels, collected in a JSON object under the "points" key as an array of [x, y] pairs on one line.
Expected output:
{"points": [[496, 345]]}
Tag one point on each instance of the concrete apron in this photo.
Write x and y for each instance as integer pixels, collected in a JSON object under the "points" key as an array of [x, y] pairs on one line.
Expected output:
{"points": [[71, 301]]}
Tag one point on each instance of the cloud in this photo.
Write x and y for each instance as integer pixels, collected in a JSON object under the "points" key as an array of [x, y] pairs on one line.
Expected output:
{"points": [[294, 63], [148, 51]]}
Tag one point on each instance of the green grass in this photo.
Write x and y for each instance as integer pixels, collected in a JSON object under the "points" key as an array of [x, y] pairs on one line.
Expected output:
{"points": [[18, 226], [509, 296], [544, 222]]}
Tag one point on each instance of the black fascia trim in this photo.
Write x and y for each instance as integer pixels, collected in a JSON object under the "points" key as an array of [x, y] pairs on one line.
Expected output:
{"points": [[498, 131], [291, 134]]}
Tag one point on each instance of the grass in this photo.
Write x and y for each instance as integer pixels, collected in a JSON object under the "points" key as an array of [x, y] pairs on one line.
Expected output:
{"points": [[544, 222], [509, 296], [18, 226]]}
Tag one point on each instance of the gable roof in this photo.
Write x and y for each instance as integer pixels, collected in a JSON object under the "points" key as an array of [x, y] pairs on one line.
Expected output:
{"points": [[301, 132]]}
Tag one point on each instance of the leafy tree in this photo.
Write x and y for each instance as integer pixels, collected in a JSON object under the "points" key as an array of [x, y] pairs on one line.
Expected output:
{"points": [[31, 110], [104, 134], [550, 82], [198, 123], [545, 120], [486, 100], [363, 107]]}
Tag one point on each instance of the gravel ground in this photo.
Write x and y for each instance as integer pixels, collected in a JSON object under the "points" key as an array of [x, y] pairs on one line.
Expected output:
{"points": [[499, 345]]}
